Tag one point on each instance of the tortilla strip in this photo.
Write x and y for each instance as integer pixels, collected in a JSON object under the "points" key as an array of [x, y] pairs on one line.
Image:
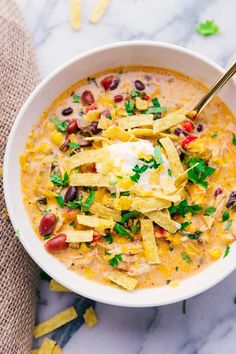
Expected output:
{"points": [[90, 317], [55, 286], [164, 221], [117, 133], [104, 212], [104, 122], [93, 221], [98, 11], [173, 156], [55, 322], [83, 157], [167, 184], [142, 132], [47, 346], [168, 121], [144, 205], [183, 177], [122, 279], [149, 242], [159, 194], [79, 236], [138, 120], [89, 179], [75, 14]]}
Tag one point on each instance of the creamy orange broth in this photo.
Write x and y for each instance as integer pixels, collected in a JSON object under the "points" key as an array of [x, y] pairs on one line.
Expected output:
{"points": [[181, 253]]}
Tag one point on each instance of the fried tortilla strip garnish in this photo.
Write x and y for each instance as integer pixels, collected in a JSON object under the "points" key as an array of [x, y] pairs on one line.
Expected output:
{"points": [[176, 197], [75, 14], [138, 120], [55, 322], [93, 221], [55, 286], [104, 212], [149, 242], [183, 177], [117, 133], [173, 156], [79, 236], [142, 132], [89, 179], [104, 122], [86, 156], [122, 279], [98, 11], [144, 205], [168, 121], [47, 346], [167, 184], [90, 317], [164, 221]]}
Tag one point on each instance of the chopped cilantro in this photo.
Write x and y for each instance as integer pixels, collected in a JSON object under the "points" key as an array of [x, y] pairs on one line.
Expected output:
{"points": [[234, 139], [73, 145], [109, 117], [186, 258], [134, 93], [115, 260], [46, 211], [130, 108], [195, 235], [228, 225], [169, 172], [60, 201], [89, 200], [138, 170], [214, 135], [76, 204], [112, 182], [72, 223], [121, 230], [227, 251], [130, 215], [199, 173], [135, 177], [134, 228], [154, 110], [62, 126], [210, 210], [157, 155], [183, 208], [47, 237], [225, 216], [58, 181], [176, 269], [76, 98], [125, 193], [109, 239], [155, 102], [207, 28], [184, 225]]}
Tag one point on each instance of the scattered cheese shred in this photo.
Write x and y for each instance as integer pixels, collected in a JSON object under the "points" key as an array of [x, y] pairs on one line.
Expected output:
{"points": [[168, 121], [55, 286], [173, 156], [163, 220], [90, 317], [122, 279], [75, 14], [55, 322], [89, 179], [98, 11], [149, 242]]}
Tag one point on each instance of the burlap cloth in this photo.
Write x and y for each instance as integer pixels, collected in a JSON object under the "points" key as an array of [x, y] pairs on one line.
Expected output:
{"points": [[18, 273]]}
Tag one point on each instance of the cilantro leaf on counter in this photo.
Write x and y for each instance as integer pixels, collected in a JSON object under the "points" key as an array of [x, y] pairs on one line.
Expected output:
{"points": [[61, 126], [207, 28], [199, 173], [183, 208]]}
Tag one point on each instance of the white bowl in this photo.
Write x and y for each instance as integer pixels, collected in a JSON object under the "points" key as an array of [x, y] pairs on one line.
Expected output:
{"points": [[109, 56]]}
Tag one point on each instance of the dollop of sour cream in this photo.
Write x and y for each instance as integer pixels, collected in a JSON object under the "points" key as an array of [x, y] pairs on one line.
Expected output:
{"points": [[123, 156]]}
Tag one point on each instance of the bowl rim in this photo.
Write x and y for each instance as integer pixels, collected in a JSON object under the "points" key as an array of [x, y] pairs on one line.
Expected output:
{"points": [[6, 167]]}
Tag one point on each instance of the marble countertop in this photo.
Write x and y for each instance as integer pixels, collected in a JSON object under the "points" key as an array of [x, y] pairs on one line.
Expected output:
{"points": [[209, 324]]}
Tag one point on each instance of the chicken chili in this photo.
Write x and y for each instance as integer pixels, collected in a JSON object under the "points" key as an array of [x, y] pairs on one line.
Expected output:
{"points": [[122, 188]]}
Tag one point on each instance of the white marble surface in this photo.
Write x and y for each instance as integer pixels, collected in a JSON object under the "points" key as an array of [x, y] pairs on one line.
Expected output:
{"points": [[209, 325]]}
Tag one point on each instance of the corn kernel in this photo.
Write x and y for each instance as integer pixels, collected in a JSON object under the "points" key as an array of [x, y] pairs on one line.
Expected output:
{"points": [[215, 253], [57, 138]]}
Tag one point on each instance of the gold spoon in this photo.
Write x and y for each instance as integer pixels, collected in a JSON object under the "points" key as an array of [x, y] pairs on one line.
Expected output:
{"points": [[212, 91]]}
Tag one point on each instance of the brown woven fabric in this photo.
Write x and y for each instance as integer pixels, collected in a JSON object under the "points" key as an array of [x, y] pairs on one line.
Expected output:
{"points": [[18, 273]]}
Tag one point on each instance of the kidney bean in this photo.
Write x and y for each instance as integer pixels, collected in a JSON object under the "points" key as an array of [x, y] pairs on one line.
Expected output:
{"points": [[71, 194], [232, 200], [72, 127], [57, 243], [87, 98], [94, 128], [218, 191], [199, 127], [47, 224], [139, 85], [106, 82], [115, 84], [118, 98], [188, 126], [67, 111], [188, 140]]}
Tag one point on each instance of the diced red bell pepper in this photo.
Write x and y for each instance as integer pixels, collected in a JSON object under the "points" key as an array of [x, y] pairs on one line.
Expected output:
{"points": [[188, 140], [96, 238], [92, 107], [188, 126]]}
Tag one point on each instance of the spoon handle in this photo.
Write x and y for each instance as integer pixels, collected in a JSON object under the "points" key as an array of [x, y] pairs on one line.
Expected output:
{"points": [[215, 88]]}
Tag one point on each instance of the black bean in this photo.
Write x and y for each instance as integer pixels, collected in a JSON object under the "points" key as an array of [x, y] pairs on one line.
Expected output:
{"points": [[139, 85], [179, 131], [71, 194], [67, 111], [232, 200], [114, 84], [199, 127], [94, 128]]}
